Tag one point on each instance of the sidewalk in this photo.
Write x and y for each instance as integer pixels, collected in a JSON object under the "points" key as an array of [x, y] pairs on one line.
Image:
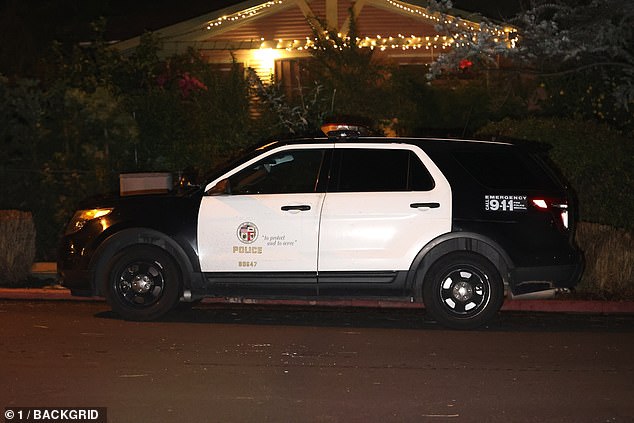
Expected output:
{"points": [[54, 291]]}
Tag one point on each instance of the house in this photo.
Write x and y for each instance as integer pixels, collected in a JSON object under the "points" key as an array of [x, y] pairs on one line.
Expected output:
{"points": [[274, 36]]}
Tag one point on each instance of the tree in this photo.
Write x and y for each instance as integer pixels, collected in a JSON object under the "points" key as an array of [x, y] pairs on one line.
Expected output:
{"points": [[349, 73], [302, 117], [346, 83], [98, 113], [587, 47]]}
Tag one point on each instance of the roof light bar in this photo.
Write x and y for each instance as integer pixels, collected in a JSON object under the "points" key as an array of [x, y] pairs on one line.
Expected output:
{"points": [[338, 130]]}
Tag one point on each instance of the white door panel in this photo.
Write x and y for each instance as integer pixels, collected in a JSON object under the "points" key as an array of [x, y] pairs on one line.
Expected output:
{"points": [[253, 233], [366, 231], [263, 216]]}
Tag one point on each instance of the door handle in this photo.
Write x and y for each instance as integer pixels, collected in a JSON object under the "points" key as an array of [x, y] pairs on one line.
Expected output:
{"points": [[303, 207], [425, 205]]}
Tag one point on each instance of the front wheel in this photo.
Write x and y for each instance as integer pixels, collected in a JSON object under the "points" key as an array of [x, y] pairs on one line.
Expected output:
{"points": [[143, 283], [463, 290]]}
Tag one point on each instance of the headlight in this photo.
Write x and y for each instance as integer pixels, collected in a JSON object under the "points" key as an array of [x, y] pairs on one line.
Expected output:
{"points": [[81, 217]]}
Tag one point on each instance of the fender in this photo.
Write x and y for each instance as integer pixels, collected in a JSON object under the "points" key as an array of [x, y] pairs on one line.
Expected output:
{"points": [[452, 242], [133, 236]]}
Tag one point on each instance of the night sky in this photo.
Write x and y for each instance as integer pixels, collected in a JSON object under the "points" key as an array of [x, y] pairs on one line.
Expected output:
{"points": [[125, 16]]}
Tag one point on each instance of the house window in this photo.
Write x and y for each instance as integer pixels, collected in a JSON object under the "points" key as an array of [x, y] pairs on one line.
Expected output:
{"points": [[291, 74]]}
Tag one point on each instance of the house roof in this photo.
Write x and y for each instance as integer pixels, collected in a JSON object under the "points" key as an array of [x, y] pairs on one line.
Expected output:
{"points": [[290, 24]]}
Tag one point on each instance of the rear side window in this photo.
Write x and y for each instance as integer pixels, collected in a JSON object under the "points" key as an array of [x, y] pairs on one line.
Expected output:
{"points": [[372, 170], [506, 169]]}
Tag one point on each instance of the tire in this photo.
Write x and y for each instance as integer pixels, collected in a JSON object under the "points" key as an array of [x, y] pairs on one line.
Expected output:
{"points": [[143, 283], [463, 290]]}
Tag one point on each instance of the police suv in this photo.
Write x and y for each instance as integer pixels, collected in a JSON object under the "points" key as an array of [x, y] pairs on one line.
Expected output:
{"points": [[453, 224]]}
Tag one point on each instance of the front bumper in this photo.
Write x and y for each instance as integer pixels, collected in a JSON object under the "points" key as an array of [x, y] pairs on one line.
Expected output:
{"points": [[73, 269], [78, 281]]}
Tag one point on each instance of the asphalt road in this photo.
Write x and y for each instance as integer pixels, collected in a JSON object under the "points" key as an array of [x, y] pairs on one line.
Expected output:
{"points": [[223, 363]]}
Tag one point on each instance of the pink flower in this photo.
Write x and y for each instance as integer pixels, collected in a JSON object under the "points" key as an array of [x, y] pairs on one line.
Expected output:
{"points": [[188, 84]]}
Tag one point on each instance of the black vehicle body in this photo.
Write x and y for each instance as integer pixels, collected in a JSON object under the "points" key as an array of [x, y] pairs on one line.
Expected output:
{"points": [[532, 248]]}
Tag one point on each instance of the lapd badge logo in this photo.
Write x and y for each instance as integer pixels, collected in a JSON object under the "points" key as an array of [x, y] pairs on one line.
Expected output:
{"points": [[247, 233]]}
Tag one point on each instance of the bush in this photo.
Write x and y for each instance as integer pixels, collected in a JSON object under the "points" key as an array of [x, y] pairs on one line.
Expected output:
{"points": [[609, 255], [594, 158], [17, 246]]}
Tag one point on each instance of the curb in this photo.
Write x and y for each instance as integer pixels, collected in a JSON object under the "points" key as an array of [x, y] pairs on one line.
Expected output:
{"points": [[57, 292], [570, 306]]}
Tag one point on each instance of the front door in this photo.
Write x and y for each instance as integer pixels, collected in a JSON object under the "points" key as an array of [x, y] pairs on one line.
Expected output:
{"points": [[262, 228]]}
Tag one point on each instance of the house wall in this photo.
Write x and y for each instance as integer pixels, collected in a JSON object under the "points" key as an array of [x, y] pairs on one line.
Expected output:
{"points": [[256, 33], [258, 43]]}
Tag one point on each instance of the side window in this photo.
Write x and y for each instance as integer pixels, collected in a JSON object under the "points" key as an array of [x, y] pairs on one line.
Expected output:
{"points": [[294, 171], [368, 170], [504, 169], [419, 177]]}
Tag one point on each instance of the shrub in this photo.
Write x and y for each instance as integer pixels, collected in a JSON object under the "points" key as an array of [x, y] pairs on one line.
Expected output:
{"points": [[609, 255], [17, 246]]}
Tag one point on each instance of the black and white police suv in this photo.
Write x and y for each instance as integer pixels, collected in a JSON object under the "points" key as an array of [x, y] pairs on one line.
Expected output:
{"points": [[453, 224]]}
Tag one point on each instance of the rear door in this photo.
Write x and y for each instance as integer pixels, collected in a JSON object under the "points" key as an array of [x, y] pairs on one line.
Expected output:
{"points": [[384, 204]]}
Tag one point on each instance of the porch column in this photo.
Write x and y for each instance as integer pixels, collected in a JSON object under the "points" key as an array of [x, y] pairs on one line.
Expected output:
{"points": [[332, 20]]}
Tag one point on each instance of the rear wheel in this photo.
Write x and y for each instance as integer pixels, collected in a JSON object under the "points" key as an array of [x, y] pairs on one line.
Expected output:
{"points": [[463, 290], [143, 283]]}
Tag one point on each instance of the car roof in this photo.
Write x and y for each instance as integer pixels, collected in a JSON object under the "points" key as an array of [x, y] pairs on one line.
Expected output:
{"points": [[448, 143]]}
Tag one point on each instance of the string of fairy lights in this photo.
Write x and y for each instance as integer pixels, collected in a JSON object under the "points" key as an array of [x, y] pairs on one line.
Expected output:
{"points": [[243, 14], [467, 32]]}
